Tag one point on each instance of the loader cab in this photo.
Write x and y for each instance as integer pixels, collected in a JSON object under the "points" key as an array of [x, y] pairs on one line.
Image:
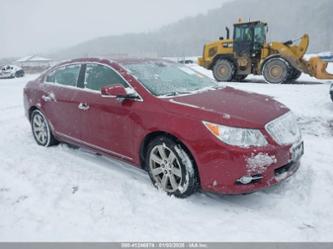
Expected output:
{"points": [[249, 38]]}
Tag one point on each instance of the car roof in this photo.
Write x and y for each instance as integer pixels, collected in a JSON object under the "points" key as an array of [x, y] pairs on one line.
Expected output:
{"points": [[122, 60], [134, 60]]}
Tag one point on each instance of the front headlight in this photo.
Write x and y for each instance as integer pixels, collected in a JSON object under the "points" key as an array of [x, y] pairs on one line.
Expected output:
{"points": [[240, 137]]}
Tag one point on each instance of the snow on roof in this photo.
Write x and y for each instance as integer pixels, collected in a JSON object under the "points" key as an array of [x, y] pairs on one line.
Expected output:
{"points": [[33, 58]]}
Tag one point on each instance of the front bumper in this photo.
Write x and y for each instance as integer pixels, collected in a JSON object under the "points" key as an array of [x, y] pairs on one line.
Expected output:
{"points": [[204, 63], [223, 170], [6, 76], [201, 61]]}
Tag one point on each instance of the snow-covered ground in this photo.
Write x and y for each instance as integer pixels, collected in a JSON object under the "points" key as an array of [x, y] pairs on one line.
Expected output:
{"points": [[66, 194]]}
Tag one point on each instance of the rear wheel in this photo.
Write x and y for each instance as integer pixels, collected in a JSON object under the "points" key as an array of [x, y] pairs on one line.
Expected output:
{"points": [[170, 167], [19, 74], [294, 74], [239, 77], [223, 70], [275, 71], [41, 129]]}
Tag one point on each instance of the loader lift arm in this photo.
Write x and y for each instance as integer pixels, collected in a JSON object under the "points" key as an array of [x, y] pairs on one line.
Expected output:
{"points": [[294, 54]]}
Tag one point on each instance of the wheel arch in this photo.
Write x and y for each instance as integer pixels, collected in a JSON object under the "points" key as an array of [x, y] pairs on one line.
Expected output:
{"points": [[149, 137], [31, 109]]}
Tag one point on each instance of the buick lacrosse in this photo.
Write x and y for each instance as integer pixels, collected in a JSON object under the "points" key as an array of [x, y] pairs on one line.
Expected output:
{"points": [[184, 129]]}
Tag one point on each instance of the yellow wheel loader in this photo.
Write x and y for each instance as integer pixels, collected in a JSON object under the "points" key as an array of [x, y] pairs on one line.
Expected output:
{"points": [[249, 53]]}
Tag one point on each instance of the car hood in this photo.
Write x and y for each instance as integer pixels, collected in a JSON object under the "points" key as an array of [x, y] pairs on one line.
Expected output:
{"points": [[228, 106]]}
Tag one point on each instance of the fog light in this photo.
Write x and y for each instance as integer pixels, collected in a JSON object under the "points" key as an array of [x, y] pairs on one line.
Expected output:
{"points": [[249, 179], [245, 179]]}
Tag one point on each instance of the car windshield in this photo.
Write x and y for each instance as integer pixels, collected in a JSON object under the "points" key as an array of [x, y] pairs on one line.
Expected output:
{"points": [[170, 79]]}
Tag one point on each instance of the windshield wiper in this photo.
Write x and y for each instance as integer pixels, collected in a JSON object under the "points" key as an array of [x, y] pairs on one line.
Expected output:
{"points": [[175, 93]]}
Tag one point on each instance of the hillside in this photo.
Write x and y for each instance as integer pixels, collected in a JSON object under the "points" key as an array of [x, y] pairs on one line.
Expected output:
{"points": [[187, 36]]}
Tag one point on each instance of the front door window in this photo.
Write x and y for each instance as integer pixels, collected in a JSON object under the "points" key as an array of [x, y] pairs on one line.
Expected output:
{"points": [[67, 76], [98, 76]]}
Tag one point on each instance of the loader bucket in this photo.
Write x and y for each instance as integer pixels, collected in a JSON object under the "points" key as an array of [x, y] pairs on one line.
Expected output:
{"points": [[317, 68]]}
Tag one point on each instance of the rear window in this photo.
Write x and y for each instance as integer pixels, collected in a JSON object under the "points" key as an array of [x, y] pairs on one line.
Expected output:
{"points": [[67, 75]]}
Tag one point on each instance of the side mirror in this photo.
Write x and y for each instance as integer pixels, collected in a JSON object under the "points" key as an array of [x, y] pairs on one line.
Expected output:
{"points": [[118, 91], [115, 91]]}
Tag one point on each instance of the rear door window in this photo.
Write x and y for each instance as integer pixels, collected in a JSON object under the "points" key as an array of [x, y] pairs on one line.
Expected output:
{"points": [[67, 76], [98, 76]]}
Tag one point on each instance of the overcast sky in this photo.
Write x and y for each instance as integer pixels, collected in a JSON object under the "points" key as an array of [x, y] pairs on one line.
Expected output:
{"points": [[35, 26]]}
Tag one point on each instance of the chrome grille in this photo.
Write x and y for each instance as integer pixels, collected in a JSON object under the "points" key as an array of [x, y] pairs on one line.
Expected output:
{"points": [[284, 130]]}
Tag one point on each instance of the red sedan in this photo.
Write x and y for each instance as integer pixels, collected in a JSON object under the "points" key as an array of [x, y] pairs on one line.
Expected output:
{"points": [[187, 131]]}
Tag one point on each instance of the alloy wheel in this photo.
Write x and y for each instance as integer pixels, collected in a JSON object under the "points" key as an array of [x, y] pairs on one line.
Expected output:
{"points": [[165, 168], [40, 129]]}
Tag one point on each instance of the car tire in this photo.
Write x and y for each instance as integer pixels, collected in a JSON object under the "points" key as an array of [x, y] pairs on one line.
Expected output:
{"points": [[224, 70], [19, 74], [41, 129], [276, 71], [170, 167]]}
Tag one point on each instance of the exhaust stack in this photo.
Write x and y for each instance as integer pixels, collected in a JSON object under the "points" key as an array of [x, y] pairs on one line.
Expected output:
{"points": [[228, 32]]}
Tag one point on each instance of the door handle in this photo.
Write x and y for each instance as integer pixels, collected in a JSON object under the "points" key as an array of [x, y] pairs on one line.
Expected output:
{"points": [[48, 98], [83, 106]]}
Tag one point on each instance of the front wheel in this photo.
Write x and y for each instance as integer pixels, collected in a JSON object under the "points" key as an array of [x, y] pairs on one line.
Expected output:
{"points": [[41, 129], [170, 168], [275, 71]]}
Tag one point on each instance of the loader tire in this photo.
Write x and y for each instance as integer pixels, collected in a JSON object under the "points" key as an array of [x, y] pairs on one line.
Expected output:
{"points": [[224, 70], [239, 78], [276, 71], [294, 74]]}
